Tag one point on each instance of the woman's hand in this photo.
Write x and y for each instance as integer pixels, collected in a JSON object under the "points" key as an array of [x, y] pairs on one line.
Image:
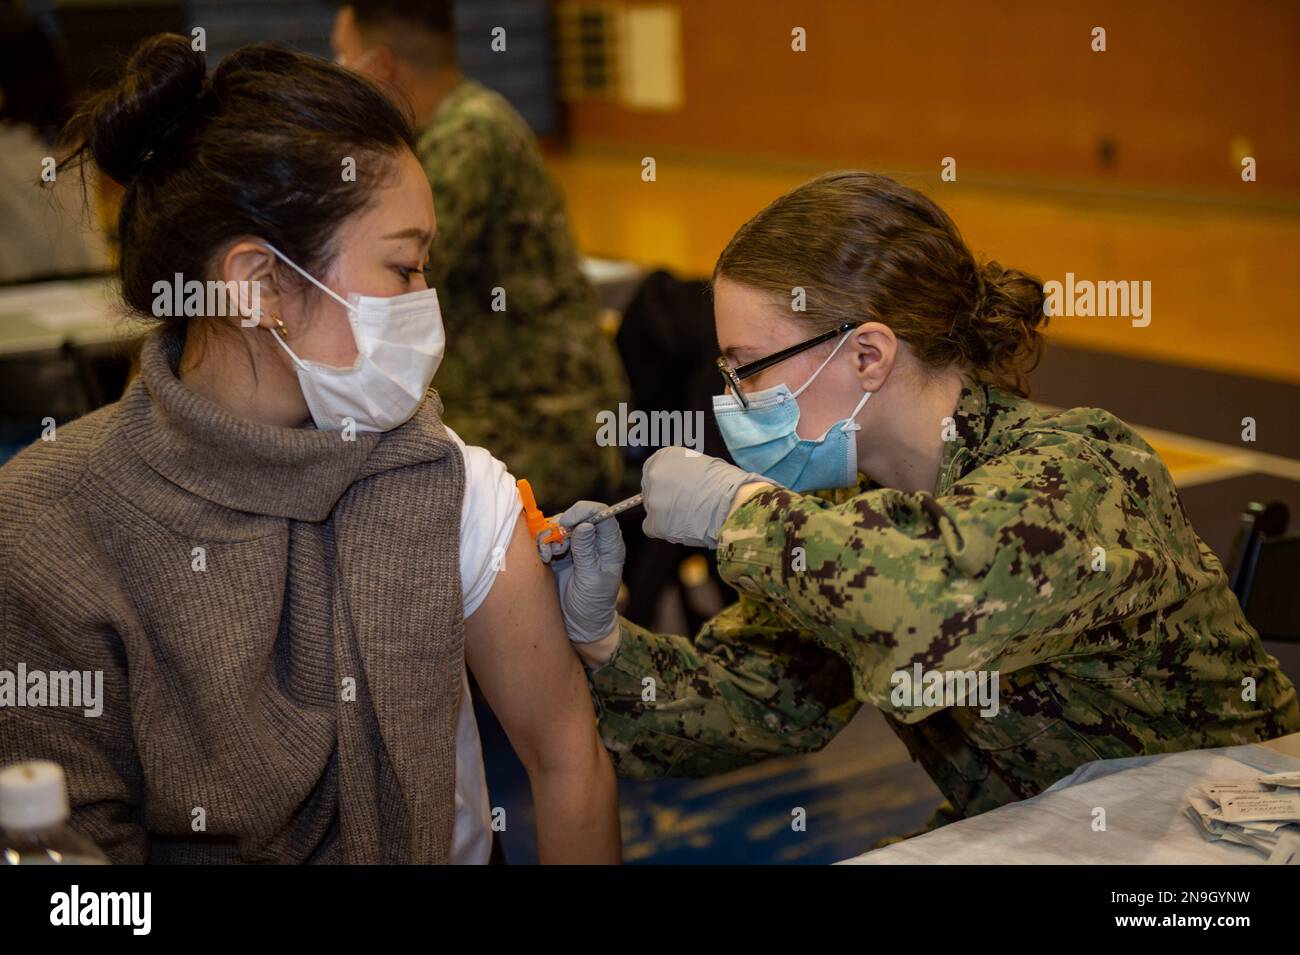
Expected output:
{"points": [[688, 495]]}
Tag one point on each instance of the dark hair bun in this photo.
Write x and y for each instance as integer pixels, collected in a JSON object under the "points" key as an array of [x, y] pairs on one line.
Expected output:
{"points": [[1007, 315], [126, 124], [1011, 293]]}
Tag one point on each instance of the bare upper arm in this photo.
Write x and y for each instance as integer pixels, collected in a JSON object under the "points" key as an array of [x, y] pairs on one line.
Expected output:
{"points": [[516, 646]]}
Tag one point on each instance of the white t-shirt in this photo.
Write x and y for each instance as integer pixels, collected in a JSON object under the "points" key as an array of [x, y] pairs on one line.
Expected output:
{"points": [[488, 513]]}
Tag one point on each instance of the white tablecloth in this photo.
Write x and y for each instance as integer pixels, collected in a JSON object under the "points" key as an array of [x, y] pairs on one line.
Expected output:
{"points": [[1146, 823]]}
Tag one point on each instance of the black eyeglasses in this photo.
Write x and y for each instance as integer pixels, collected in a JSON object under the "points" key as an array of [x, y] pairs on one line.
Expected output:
{"points": [[734, 376]]}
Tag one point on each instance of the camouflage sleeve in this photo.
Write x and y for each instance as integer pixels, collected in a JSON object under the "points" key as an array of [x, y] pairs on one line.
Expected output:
{"points": [[461, 165], [997, 573], [739, 693]]}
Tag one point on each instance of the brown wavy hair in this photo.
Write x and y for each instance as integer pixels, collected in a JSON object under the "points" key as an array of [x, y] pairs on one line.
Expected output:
{"points": [[866, 248]]}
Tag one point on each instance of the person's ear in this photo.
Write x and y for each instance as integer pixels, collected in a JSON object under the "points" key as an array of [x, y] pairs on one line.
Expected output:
{"points": [[873, 347], [252, 267], [379, 63]]}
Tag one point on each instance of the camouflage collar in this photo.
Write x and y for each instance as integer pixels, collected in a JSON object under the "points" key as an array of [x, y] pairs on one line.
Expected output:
{"points": [[976, 421], [446, 107], [971, 424]]}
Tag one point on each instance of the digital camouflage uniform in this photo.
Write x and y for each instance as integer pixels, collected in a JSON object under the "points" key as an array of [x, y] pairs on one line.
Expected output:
{"points": [[525, 383], [993, 571]]}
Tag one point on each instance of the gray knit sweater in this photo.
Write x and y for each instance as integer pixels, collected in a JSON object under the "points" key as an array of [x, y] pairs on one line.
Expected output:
{"points": [[276, 614]]}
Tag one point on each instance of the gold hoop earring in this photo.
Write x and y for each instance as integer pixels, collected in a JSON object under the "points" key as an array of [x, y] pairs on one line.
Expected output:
{"points": [[276, 318]]}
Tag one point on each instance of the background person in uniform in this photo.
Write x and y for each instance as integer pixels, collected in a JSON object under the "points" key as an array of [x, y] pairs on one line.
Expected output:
{"points": [[529, 366], [964, 530]]}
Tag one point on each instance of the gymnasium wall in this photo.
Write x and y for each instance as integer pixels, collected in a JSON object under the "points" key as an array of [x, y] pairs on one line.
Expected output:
{"points": [[1009, 88]]}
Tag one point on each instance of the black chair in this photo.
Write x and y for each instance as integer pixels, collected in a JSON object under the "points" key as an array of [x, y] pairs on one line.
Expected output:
{"points": [[668, 346], [104, 368], [62, 383], [41, 384], [1264, 573]]}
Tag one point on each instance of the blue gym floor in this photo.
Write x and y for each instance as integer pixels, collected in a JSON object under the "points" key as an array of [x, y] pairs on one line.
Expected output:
{"points": [[859, 789]]}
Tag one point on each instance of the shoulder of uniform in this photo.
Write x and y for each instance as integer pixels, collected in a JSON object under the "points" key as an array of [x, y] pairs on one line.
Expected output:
{"points": [[1018, 422], [1075, 451], [477, 113], [1099, 425]]}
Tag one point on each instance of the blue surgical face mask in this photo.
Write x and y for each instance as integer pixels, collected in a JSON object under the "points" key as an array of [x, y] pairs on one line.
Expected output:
{"points": [[764, 438]]}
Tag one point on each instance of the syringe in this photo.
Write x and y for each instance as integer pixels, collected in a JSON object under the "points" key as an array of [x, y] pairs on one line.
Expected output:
{"points": [[616, 509], [547, 530]]}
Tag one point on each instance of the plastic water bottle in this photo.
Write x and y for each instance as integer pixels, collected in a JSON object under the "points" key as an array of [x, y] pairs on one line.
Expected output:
{"points": [[34, 814]]}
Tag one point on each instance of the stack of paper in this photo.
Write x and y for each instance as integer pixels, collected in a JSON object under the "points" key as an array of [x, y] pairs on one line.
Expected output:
{"points": [[1263, 814]]}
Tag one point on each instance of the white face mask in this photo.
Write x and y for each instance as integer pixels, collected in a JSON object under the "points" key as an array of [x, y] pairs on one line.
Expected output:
{"points": [[400, 343]]}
